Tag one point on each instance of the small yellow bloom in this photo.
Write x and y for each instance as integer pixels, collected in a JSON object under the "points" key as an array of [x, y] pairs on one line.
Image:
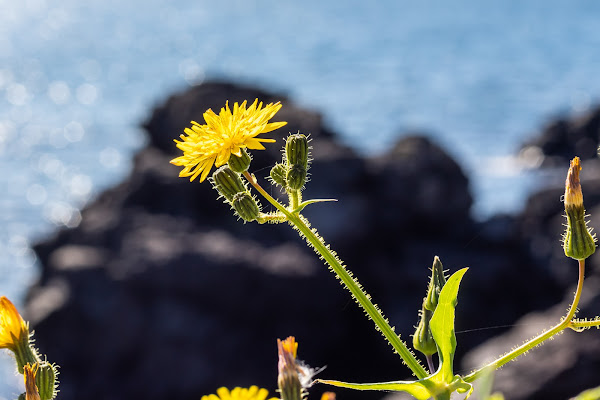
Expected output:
{"points": [[13, 329], [238, 393], [31, 389], [573, 195], [223, 135]]}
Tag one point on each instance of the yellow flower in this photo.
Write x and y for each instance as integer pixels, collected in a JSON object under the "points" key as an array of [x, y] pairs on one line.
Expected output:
{"points": [[573, 196], [252, 393], [13, 329], [31, 389], [223, 135]]}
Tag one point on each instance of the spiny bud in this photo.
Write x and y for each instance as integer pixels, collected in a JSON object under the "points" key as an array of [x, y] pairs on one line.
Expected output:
{"points": [[46, 380], [240, 164], [423, 338], [296, 177], [278, 174], [436, 283], [296, 154], [578, 242], [246, 207], [228, 182]]}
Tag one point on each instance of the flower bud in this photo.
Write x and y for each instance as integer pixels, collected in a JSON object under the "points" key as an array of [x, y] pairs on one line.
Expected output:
{"points": [[423, 338], [578, 242], [288, 379], [46, 380], [296, 154], [228, 182], [296, 150], [246, 207], [296, 177], [240, 164], [278, 174], [437, 282]]}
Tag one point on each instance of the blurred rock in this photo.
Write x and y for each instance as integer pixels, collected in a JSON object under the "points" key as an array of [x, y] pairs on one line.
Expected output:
{"points": [[564, 138], [161, 293]]}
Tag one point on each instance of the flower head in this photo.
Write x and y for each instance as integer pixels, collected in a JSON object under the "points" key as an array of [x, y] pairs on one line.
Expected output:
{"points": [[31, 389], [294, 376], [238, 393], [224, 135], [13, 329], [573, 195]]}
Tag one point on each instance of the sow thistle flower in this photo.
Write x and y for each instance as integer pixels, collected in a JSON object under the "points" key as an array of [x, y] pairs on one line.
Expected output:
{"points": [[238, 393], [31, 389], [226, 134], [14, 331]]}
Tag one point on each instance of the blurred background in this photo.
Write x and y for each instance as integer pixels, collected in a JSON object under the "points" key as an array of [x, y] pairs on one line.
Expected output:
{"points": [[78, 78]]}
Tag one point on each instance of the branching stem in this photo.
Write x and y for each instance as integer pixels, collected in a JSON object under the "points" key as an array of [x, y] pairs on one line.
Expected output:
{"points": [[525, 347], [350, 283]]}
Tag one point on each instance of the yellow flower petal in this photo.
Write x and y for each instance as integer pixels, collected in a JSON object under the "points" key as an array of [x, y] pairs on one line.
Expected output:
{"points": [[223, 135], [13, 328]]}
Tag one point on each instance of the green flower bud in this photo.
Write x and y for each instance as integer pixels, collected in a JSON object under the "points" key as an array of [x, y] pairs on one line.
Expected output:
{"points": [[296, 177], [45, 380], [437, 282], [227, 182], [278, 174], [423, 338], [296, 150], [240, 164], [578, 242], [246, 207]]}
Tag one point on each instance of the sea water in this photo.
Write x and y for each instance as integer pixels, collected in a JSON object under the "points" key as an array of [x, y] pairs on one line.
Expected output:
{"points": [[77, 78]]}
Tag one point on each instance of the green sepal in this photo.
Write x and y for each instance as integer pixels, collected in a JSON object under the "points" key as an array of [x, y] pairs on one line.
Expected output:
{"points": [[240, 164], [578, 241]]}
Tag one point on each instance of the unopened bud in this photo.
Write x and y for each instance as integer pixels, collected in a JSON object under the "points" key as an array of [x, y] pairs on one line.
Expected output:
{"points": [[278, 174], [228, 182], [296, 154], [46, 380], [240, 164], [296, 177], [246, 207], [578, 242], [288, 378], [296, 150], [423, 338], [436, 283]]}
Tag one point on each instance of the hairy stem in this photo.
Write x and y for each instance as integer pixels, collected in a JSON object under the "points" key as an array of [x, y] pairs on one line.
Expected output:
{"points": [[525, 347], [349, 282]]}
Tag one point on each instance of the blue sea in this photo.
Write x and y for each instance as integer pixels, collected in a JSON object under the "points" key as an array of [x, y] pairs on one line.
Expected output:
{"points": [[78, 77]]}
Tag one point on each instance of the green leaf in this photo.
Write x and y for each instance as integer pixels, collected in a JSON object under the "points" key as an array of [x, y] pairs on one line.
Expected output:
{"points": [[418, 389], [442, 327]]}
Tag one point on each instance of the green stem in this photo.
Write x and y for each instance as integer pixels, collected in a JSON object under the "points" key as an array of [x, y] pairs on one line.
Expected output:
{"points": [[578, 325], [294, 196], [525, 347], [351, 284]]}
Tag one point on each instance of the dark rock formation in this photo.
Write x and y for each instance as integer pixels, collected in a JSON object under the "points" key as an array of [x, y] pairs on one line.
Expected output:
{"points": [[160, 293], [565, 138]]}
